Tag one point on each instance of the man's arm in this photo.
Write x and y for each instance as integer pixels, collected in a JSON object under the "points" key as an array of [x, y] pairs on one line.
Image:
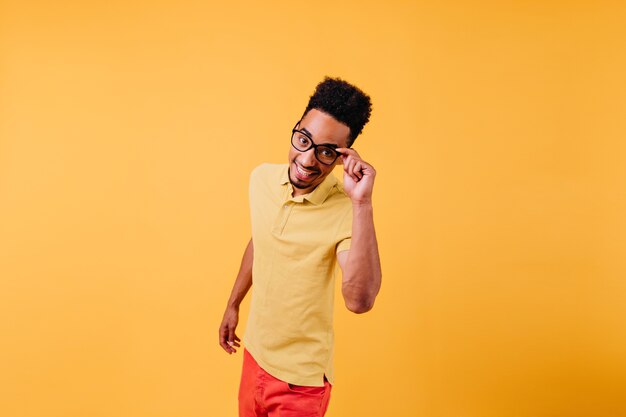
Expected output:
{"points": [[227, 337], [360, 264]]}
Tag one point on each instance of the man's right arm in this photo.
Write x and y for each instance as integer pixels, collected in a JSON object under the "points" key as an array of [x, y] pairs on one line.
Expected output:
{"points": [[228, 339]]}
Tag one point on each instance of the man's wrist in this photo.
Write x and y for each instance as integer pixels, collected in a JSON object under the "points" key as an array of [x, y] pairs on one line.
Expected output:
{"points": [[364, 203]]}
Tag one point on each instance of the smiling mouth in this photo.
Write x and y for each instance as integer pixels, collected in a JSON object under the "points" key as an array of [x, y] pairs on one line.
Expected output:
{"points": [[303, 174]]}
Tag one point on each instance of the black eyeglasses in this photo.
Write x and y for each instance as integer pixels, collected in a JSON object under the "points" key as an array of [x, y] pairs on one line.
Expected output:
{"points": [[302, 142]]}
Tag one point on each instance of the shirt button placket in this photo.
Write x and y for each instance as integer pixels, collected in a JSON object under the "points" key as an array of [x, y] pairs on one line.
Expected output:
{"points": [[283, 216]]}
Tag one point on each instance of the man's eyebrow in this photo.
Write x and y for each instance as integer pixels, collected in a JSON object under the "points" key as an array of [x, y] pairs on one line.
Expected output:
{"points": [[332, 145], [307, 132]]}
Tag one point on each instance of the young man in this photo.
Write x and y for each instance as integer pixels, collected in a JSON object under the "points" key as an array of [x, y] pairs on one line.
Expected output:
{"points": [[303, 222]]}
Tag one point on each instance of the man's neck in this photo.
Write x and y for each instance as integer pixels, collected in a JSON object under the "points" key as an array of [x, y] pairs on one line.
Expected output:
{"points": [[300, 191]]}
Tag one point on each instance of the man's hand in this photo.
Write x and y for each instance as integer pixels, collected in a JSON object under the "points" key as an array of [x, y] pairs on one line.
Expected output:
{"points": [[358, 176], [228, 338]]}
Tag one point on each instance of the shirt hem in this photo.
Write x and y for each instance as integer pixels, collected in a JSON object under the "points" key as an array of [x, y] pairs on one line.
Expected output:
{"points": [[287, 376]]}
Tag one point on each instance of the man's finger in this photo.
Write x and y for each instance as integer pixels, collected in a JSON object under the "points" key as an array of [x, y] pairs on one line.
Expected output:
{"points": [[357, 170], [349, 160], [347, 151], [235, 340], [225, 343], [225, 346], [348, 167], [352, 170]]}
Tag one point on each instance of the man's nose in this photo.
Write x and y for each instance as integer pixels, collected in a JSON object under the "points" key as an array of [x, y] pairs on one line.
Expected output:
{"points": [[308, 158]]}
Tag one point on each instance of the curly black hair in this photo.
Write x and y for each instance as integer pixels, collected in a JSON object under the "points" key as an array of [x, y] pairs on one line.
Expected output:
{"points": [[345, 102]]}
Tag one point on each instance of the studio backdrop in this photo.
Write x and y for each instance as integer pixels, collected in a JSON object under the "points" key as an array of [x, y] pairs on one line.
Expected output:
{"points": [[128, 131]]}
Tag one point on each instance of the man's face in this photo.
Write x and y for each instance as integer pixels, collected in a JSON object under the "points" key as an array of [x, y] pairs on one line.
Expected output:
{"points": [[305, 171]]}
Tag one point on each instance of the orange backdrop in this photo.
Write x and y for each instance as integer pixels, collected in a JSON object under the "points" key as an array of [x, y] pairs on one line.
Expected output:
{"points": [[127, 134]]}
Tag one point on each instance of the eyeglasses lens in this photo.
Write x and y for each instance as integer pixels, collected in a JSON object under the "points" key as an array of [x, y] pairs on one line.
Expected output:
{"points": [[303, 143]]}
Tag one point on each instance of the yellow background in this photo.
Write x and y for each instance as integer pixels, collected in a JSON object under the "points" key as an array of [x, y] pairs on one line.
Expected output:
{"points": [[127, 134]]}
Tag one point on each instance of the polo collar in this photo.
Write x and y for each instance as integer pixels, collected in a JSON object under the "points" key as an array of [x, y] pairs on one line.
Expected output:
{"points": [[319, 193]]}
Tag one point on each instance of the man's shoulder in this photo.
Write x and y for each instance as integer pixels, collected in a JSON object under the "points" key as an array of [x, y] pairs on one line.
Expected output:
{"points": [[268, 170], [339, 195]]}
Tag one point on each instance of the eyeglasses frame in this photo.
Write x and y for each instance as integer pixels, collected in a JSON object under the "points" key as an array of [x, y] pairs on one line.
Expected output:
{"points": [[313, 145]]}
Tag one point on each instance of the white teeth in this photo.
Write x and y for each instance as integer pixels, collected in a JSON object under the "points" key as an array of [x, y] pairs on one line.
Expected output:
{"points": [[303, 172]]}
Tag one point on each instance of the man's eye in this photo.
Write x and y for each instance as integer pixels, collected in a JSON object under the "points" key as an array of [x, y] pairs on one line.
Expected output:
{"points": [[327, 152], [304, 140]]}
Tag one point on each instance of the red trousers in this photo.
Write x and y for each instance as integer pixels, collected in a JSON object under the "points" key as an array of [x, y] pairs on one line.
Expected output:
{"points": [[262, 395]]}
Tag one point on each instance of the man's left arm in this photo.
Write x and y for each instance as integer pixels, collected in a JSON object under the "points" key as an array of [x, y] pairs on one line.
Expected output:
{"points": [[360, 264]]}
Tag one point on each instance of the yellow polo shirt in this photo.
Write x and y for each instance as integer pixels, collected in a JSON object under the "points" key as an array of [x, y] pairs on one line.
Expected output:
{"points": [[290, 325]]}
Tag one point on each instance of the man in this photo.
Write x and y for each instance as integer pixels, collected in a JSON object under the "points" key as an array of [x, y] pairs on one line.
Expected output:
{"points": [[303, 223]]}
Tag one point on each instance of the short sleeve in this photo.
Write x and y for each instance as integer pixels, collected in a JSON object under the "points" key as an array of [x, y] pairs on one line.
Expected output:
{"points": [[344, 232], [344, 245]]}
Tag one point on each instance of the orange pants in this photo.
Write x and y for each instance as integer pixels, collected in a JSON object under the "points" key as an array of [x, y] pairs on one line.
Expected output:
{"points": [[262, 395]]}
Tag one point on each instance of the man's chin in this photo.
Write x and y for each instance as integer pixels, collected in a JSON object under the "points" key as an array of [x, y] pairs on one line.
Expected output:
{"points": [[299, 184]]}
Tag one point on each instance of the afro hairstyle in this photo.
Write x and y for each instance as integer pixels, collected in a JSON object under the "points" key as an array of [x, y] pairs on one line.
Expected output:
{"points": [[343, 101]]}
